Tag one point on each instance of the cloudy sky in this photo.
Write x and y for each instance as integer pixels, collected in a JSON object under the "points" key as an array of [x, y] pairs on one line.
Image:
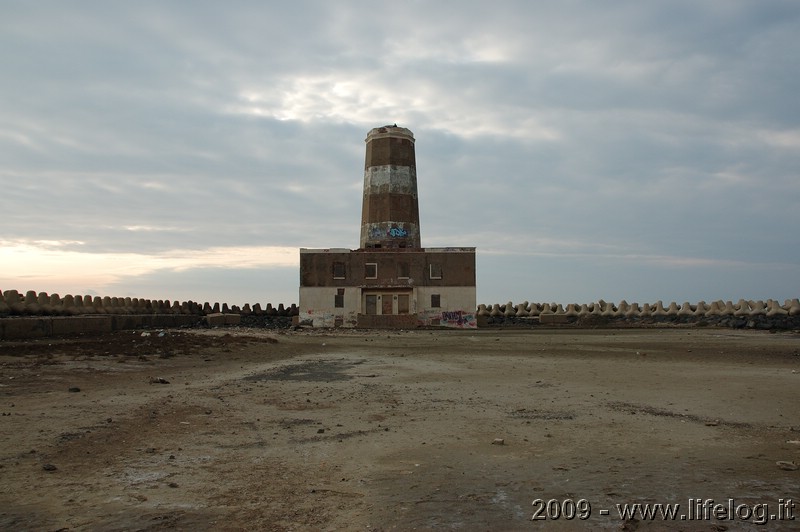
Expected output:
{"points": [[617, 150]]}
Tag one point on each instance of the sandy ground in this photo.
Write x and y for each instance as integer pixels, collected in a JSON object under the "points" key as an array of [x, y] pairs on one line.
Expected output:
{"points": [[318, 430]]}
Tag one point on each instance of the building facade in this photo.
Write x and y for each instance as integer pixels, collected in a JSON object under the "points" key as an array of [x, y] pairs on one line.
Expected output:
{"points": [[390, 281]]}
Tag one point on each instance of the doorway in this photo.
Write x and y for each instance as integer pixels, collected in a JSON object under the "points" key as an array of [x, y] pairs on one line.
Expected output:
{"points": [[387, 303]]}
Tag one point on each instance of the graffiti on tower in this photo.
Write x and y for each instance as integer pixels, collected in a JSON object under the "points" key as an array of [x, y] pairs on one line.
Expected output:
{"points": [[397, 232], [375, 232]]}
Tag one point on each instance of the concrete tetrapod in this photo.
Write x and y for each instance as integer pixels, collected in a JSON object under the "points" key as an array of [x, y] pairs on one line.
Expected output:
{"points": [[728, 310], [742, 308], [700, 309], [634, 311], [685, 310], [659, 311], [758, 308], [31, 303], [608, 311], [776, 310]]}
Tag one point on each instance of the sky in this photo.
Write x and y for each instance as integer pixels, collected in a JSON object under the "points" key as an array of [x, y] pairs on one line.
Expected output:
{"points": [[619, 150]]}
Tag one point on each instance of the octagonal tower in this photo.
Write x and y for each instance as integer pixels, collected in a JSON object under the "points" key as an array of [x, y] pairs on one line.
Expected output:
{"points": [[390, 208]]}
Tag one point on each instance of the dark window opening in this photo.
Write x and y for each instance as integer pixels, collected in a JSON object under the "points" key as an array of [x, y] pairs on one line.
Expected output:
{"points": [[436, 300], [403, 304], [436, 271], [371, 270], [338, 270], [371, 304], [403, 271], [338, 299]]}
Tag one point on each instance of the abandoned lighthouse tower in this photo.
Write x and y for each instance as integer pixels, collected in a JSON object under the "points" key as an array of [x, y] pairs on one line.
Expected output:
{"points": [[390, 281], [390, 212]]}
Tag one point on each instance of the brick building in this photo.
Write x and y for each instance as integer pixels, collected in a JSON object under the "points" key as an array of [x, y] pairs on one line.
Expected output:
{"points": [[390, 280]]}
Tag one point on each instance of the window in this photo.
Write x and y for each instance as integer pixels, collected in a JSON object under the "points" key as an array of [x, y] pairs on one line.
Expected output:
{"points": [[371, 270], [403, 271], [436, 271], [436, 300], [338, 270], [338, 299]]}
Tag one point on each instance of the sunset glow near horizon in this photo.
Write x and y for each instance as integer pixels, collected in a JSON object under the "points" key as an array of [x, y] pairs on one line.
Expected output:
{"points": [[54, 270]]}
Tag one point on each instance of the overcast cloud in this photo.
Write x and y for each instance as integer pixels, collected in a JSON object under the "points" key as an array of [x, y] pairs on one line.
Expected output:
{"points": [[616, 150]]}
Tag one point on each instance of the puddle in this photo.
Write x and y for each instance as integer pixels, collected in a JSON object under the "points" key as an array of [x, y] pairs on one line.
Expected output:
{"points": [[310, 371]]}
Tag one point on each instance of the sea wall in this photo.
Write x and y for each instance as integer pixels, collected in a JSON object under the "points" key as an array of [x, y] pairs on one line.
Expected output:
{"points": [[40, 315], [32, 303]]}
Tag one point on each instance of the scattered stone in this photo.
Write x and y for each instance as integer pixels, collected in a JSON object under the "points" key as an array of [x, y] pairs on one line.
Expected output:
{"points": [[74, 389], [49, 467], [498, 441], [712, 423], [786, 466], [173, 484], [158, 380], [320, 431], [630, 524]]}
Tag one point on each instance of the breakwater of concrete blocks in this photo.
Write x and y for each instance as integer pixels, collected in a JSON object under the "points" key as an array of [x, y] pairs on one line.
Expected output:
{"points": [[770, 314], [39, 314]]}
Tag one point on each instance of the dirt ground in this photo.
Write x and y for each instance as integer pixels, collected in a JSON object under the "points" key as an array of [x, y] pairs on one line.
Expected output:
{"points": [[245, 429]]}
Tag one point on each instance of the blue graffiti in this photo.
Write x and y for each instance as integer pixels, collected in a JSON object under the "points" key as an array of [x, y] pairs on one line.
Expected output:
{"points": [[398, 232]]}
